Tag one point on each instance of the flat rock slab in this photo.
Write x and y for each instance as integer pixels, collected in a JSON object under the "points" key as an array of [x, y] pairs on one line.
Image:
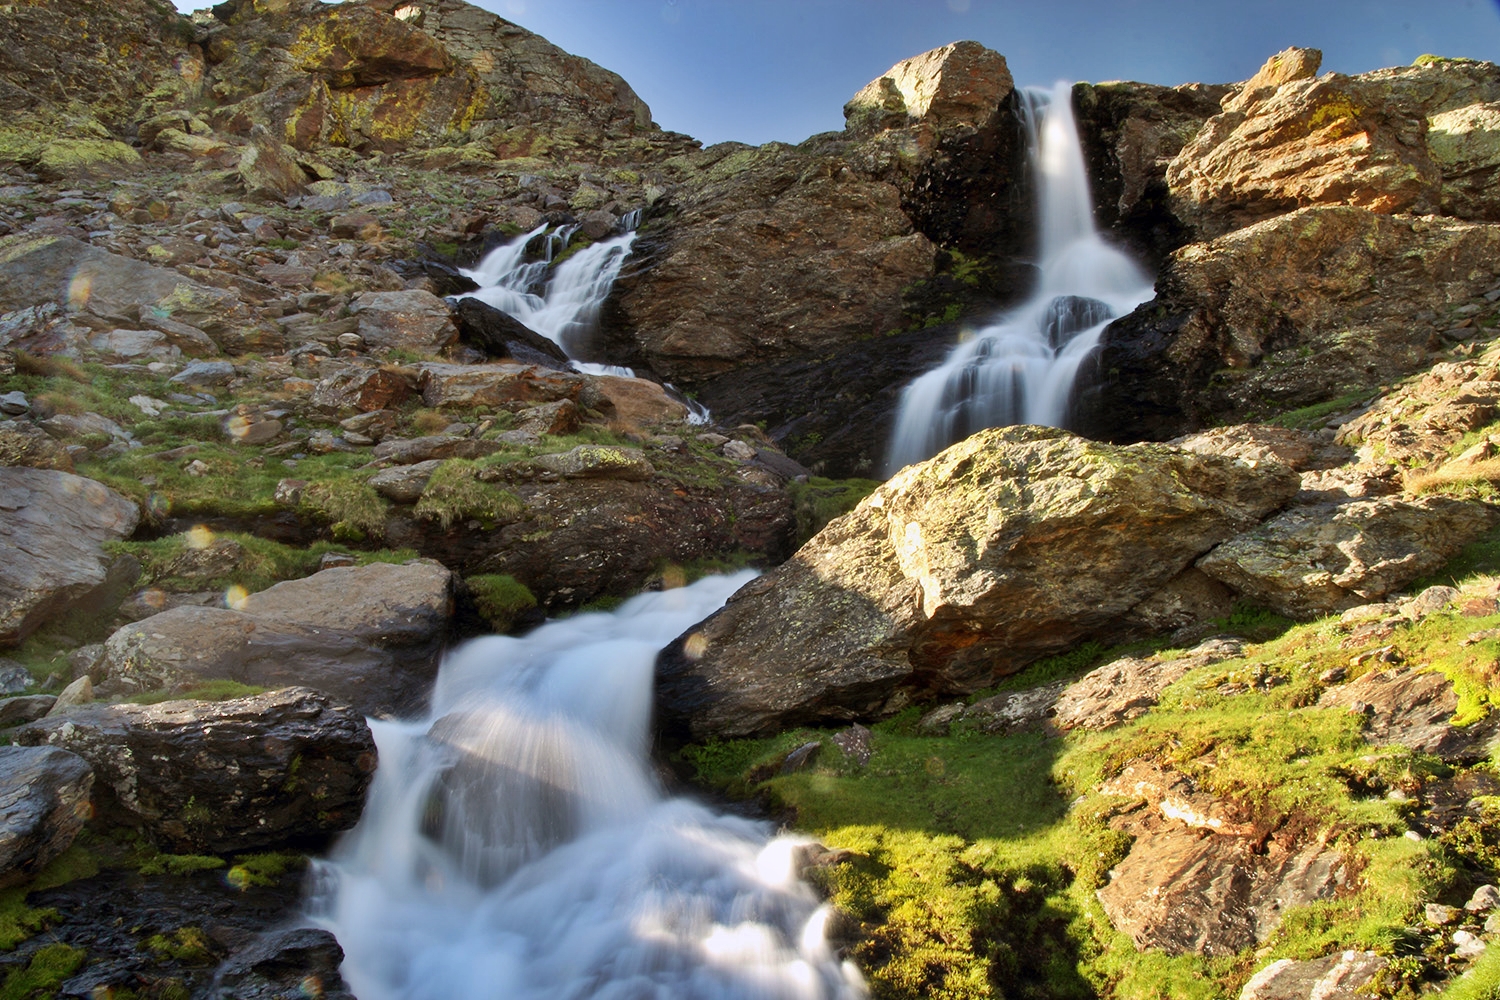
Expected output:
{"points": [[1333, 977], [1412, 708], [52, 529], [369, 635], [1126, 688], [285, 767], [44, 800]]}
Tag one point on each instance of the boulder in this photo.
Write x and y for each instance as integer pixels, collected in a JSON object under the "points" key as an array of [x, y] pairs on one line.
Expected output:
{"points": [[44, 800], [1465, 143], [369, 635], [27, 444], [1314, 560], [361, 389], [411, 320], [1288, 139], [25, 708], [963, 83], [404, 483], [503, 336], [597, 461], [60, 269], [413, 451], [281, 768], [282, 963], [496, 384], [1223, 342], [1413, 708], [52, 529], [636, 402], [1007, 547], [269, 169]]}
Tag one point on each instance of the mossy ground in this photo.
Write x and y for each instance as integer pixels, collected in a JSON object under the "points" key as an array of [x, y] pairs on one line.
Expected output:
{"points": [[977, 857]]}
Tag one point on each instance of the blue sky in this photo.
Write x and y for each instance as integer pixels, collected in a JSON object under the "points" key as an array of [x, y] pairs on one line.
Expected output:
{"points": [[756, 70]]}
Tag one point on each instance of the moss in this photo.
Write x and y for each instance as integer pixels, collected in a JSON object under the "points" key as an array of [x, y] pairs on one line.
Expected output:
{"points": [[188, 945], [455, 493], [353, 509], [266, 869], [260, 563], [19, 921], [49, 966], [820, 500], [179, 864], [500, 599]]}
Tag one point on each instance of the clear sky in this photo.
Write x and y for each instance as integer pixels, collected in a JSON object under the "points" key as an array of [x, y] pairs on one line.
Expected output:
{"points": [[756, 70]]}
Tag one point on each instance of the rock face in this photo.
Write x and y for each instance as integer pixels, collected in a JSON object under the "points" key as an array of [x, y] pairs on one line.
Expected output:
{"points": [[1287, 139], [286, 767], [1195, 880], [44, 800], [1007, 546], [1224, 341], [1313, 560], [369, 635], [52, 527]]}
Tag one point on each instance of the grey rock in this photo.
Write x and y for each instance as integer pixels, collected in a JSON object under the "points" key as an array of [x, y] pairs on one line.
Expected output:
{"points": [[1485, 899], [283, 964], [26, 708], [205, 373], [14, 404], [264, 771], [1439, 914], [594, 461], [44, 800], [412, 320], [404, 483], [14, 677], [52, 529], [79, 692]]}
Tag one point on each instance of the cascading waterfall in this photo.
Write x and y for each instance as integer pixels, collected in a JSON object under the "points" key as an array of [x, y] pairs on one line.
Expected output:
{"points": [[561, 303], [1021, 368], [515, 845]]}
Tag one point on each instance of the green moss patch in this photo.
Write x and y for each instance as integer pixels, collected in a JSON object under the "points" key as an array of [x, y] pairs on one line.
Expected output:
{"points": [[500, 599], [49, 966], [820, 500]]}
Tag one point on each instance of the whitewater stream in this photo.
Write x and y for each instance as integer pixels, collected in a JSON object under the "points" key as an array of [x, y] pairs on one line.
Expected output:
{"points": [[1020, 369], [516, 845]]}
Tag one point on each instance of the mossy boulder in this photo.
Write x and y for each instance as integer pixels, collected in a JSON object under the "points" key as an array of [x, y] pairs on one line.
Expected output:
{"points": [[66, 159]]}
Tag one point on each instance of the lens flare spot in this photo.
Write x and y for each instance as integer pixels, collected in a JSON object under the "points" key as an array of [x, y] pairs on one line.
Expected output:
{"points": [[80, 289], [199, 536], [235, 597], [673, 577], [694, 646], [237, 426]]}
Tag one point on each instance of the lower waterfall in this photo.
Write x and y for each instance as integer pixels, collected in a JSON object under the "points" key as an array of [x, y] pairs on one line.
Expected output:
{"points": [[516, 845]]}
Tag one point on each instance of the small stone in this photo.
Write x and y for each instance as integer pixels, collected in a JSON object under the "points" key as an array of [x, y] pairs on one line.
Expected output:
{"points": [[1492, 923], [14, 678], [1431, 600], [147, 405], [855, 743], [1485, 899], [351, 341], [205, 373], [80, 692], [1412, 835], [289, 492], [739, 451], [26, 708], [1437, 913], [333, 560], [1467, 945], [712, 440], [937, 721], [197, 467], [800, 757], [14, 404]]}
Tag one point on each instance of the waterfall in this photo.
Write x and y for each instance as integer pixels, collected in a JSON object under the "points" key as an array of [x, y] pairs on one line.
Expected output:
{"points": [[560, 302], [515, 845], [1021, 367]]}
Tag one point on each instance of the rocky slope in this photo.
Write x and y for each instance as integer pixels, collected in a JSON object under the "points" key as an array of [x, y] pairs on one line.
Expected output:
{"points": [[254, 464]]}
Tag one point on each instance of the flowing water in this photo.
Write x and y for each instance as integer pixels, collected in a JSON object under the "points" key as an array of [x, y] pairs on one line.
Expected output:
{"points": [[1020, 369], [516, 845]]}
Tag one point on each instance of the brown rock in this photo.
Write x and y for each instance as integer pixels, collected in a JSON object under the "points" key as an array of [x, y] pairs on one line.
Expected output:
{"points": [[959, 84], [638, 402], [496, 384], [410, 320], [269, 169], [1339, 976], [1006, 547], [1126, 688], [363, 389], [1410, 707]]}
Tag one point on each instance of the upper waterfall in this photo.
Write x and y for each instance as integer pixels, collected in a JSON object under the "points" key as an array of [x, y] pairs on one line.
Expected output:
{"points": [[1021, 367]]}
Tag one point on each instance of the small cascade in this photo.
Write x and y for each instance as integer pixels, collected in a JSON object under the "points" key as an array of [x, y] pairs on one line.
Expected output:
{"points": [[516, 846], [1020, 369], [560, 302]]}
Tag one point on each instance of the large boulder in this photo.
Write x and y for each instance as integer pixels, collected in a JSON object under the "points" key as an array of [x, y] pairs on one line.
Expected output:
{"points": [[84, 278], [1299, 309], [1314, 560], [44, 800], [412, 320], [369, 635], [961, 83], [53, 526], [1005, 548], [285, 767], [1288, 139], [496, 384]]}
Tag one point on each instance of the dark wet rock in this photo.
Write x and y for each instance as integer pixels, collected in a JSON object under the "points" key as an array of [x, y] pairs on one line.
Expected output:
{"points": [[285, 767], [298, 962], [52, 529], [44, 800], [894, 597], [1413, 708], [502, 336], [26, 708]]}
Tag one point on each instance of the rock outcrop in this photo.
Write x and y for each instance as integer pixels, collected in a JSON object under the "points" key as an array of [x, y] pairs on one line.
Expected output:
{"points": [[1013, 544], [286, 767], [52, 529]]}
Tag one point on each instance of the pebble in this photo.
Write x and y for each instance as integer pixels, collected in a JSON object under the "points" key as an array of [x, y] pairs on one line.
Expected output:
{"points": [[1485, 898], [1439, 914], [1467, 945]]}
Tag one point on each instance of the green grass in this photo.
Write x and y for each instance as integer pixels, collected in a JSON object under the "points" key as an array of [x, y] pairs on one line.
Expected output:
{"points": [[179, 864], [455, 494], [261, 562], [49, 966], [1312, 417], [266, 869], [19, 921]]}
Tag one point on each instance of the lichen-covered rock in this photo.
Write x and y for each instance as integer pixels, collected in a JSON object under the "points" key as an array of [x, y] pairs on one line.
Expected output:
{"points": [[595, 461], [1126, 688], [1313, 560], [962, 83], [52, 529], [1006, 547], [1223, 341], [412, 320], [1465, 143], [370, 636], [1288, 139], [44, 800], [285, 767]]}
